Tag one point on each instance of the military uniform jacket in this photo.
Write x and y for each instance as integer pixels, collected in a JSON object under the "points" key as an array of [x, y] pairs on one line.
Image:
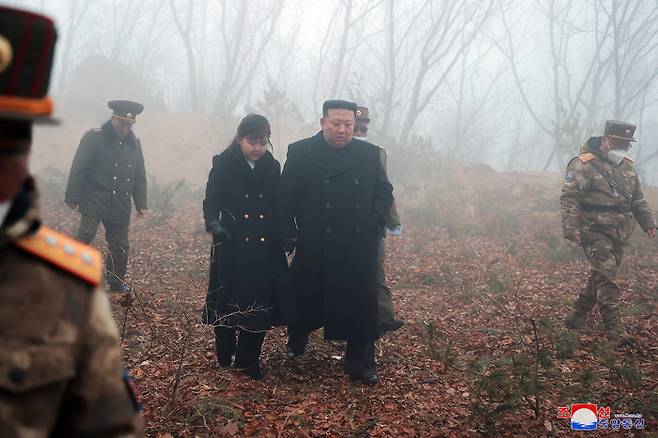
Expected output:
{"points": [[60, 360], [393, 217], [335, 202], [106, 174], [591, 206]]}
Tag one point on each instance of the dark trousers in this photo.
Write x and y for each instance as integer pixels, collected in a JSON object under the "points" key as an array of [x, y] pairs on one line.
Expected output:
{"points": [[244, 344], [359, 355], [116, 236]]}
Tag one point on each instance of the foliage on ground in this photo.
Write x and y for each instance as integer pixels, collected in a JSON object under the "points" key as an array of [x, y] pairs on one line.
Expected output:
{"points": [[483, 280]]}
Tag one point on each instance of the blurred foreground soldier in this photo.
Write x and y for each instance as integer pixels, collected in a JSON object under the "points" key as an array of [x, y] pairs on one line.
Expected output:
{"points": [[60, 359], [332, 205], [106, 173], [601, 199], [387, 321]]}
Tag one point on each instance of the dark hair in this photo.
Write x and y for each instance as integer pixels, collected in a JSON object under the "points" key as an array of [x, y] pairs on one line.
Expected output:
{"points": [[254, 126], [337, 104]]}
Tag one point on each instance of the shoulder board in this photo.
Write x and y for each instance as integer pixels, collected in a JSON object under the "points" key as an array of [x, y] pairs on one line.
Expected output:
{"points": [[95, 131], [381, 147], [64, 252], [628, 158], [587, 156]]}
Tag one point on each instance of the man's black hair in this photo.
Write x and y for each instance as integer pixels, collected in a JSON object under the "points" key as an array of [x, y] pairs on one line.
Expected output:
{"points": [[337, 104]]}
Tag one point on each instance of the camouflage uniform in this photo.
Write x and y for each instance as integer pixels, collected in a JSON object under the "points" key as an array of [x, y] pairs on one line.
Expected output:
{"points": [[60, 360], [604, 218], [385, 314], [384, 296]]}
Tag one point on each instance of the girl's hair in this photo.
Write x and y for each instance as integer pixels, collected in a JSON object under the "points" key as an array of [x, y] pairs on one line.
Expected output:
{"points": [[253, 126]]}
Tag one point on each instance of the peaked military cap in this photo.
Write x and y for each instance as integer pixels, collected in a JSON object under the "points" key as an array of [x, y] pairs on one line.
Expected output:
{"points": [[362, 113], [619, 130], [27, 46], [125, 109]]}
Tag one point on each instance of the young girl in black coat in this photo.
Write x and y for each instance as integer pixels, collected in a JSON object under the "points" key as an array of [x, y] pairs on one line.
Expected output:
{"points": [[249, 289]]}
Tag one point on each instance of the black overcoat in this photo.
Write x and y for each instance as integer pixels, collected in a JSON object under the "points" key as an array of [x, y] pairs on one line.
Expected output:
{"points": [[106, 174], [334, 202], [249, 273]]}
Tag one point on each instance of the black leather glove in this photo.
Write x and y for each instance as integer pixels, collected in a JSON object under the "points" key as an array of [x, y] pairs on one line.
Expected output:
{"points": [[219, 233]]}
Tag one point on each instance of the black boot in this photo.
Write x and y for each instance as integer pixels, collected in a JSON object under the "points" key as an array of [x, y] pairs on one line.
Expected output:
{"points": [[247, 357], [391, 326], [297, 340], [360, 362], [225, 345]]}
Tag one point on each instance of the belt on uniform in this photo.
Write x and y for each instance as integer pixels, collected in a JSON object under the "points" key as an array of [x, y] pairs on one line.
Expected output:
{"points": [[588, 208]]}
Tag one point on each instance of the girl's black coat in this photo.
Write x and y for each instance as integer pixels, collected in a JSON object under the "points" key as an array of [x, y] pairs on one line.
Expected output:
{"points": [[249, 282]]}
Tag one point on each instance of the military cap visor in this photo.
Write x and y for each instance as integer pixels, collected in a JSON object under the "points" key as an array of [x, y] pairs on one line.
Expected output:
{"points": [[27, 43], [619, 130], [125, 109]]}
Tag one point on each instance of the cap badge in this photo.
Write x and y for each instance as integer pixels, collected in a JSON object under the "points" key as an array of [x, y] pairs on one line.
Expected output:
{"points": [[628, 132], [6, 53], [129, 115], [358, 112]]}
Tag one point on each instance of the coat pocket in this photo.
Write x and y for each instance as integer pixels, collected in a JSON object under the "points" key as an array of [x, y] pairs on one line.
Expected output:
{"points": [[26, 368]]}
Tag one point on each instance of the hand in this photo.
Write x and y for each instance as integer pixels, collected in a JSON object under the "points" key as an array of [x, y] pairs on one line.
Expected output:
{"points": [[651, 232], [72, 206], [219, 233], [127, 299], [141, 212], [397, 231], [573, 238]]}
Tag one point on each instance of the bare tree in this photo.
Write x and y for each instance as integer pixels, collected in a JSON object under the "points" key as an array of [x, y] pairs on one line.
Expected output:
{"points": [[595, 49], [76, 13], [185, 32], [424, 43], [242, 52]]}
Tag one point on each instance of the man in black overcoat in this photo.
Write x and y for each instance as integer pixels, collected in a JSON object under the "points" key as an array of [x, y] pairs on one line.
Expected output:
{"points": [[107, 175], [333, 199]]}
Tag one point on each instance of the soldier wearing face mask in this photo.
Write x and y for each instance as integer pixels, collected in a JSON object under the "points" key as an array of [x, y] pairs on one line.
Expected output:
{"points": [[600, 202]]}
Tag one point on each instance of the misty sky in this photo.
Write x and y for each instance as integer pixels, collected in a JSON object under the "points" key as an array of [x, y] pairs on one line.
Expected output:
{"points": [[517, 84]]}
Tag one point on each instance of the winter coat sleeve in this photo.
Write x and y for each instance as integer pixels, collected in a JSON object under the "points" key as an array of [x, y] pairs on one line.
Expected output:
{"points": [[100, 398], [383, 195], [575, 186], [640, 207], [140, 190], [288, 197], [393, 217], [214, 191], [82, 162]]}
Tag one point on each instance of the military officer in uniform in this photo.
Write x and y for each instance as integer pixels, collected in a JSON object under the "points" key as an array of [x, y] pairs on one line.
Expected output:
{"points": [[106, 173], [60, 360], [387, 320], [332, 203], [601, 200]]}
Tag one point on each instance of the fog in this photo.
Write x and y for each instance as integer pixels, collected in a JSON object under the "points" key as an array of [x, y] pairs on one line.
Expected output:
{"points": [[480, 105], [514, 84]]}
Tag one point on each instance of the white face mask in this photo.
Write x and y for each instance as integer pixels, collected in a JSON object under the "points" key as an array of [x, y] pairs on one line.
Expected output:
{"points": [[617, 155]]}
